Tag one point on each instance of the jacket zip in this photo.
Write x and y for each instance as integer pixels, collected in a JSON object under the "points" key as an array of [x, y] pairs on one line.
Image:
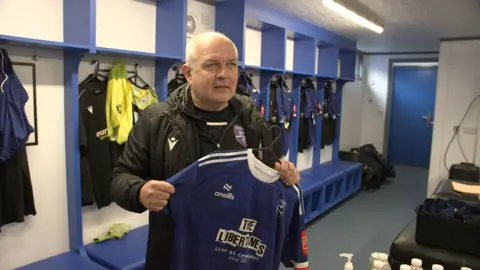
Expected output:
{"points": [[228, 127], [3, 71], [182, 132]]}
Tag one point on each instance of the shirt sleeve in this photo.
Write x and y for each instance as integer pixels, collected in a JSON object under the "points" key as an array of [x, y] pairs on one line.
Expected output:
{"points": [[82, 132], [293, 109], [295, 248], [280, 105]]}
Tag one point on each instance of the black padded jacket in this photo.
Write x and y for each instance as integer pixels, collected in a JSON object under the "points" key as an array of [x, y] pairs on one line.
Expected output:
{"points": [[147, 155]]}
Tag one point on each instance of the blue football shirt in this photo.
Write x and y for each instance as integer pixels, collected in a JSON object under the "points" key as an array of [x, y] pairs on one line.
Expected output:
{"points": [[232, 212]]}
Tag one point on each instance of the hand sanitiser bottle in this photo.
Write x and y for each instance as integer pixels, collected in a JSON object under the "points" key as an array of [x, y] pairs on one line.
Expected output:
{"points": [[383, 257], [377, 265], [416, 264], [349, 264]]}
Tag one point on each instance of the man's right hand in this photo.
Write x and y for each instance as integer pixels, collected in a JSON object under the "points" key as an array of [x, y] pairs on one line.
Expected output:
{"points": [[154, 195]]}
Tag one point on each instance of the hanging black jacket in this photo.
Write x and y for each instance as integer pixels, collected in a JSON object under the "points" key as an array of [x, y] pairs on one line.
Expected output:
{"points": [[147, 155]]}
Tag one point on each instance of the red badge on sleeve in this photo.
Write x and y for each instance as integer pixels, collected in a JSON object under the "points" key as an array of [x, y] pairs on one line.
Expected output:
{"points": [[304, 243]]}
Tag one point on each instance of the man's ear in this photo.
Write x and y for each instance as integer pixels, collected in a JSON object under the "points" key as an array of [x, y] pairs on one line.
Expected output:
{"points": [[187, 72]]}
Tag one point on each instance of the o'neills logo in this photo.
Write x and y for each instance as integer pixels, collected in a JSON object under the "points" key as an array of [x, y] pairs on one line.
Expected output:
{"points": [[229, 196]]}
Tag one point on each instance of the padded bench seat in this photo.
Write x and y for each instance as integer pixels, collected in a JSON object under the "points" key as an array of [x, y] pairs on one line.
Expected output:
{"points": [[64, 261], [328, 184], [127, 253]]}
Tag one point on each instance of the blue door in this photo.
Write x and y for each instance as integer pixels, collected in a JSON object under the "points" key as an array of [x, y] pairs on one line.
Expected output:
{"points": [[411, 115]]}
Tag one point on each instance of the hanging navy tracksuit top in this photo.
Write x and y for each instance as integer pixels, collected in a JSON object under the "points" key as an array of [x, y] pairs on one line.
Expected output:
{"points": [[310, 111], [14, 125], [231, 212], [285, 112]]}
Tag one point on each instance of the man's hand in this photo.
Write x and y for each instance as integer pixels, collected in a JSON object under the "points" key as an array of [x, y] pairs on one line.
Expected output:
{"points": [[154, 195], [288, 173]]}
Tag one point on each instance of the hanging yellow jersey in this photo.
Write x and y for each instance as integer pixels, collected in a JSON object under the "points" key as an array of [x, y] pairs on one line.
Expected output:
{"points": [[143, 96], [119, 111]]}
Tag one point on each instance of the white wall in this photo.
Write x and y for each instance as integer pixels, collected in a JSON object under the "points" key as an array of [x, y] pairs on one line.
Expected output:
{"points": [[351, 115], [46, 233], [204, 15], [457, 85], [14, 20], [374, 99], [126, 25], [253, 47]]}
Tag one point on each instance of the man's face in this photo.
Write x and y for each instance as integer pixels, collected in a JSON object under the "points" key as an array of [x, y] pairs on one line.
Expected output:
{"points": [[215, 74]]}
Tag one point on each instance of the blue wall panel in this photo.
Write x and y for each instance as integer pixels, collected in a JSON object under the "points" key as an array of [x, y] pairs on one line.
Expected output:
{"points": [[304, 55], [171, 29], [71, 62], [347, 64], [274, 41], [230, 20], [77, 21], [327, 62]]}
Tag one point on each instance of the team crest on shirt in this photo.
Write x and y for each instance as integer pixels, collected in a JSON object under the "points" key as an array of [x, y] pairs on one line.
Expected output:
{"points": [[240, 135]]}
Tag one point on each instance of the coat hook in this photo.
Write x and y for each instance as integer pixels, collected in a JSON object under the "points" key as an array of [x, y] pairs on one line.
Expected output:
{"points": [[34, 57]]}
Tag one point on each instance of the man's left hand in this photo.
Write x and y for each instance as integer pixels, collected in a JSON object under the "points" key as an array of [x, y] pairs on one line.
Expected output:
{"points": [[288, 173]]}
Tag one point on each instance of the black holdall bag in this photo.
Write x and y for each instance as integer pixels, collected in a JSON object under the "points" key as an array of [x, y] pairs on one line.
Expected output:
{"points": [[376, 169], [445, 228]]}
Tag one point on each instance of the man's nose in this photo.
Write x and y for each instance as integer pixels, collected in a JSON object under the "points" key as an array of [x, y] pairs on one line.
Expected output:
{"points": [[223, 72]]}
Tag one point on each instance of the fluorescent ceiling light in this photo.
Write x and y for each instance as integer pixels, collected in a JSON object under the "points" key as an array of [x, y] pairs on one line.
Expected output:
{"points": [[416, 64], [351, 15]]}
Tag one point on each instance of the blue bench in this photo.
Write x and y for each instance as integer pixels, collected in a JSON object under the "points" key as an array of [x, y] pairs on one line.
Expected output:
{"points": [[328, 184], [126, 253], [64, 261]]}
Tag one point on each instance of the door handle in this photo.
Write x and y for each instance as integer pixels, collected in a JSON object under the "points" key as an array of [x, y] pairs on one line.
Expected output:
{"points": [[429, 119]]}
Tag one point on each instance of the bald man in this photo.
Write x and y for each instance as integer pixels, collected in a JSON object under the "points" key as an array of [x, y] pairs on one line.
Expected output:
{"points": [[197, 119]]}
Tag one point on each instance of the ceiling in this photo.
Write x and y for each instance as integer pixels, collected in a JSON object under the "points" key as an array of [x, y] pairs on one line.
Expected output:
{"points": [[410, 25]]}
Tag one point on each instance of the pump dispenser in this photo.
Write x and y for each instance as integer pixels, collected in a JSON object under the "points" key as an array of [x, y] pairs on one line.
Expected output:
{"points": [[349, 264], [377, 265], [416, 264], [383, 257]]}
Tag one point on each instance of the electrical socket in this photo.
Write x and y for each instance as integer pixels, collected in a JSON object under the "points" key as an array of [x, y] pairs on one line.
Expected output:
{"points": [[469, 130], [466, 129]]}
